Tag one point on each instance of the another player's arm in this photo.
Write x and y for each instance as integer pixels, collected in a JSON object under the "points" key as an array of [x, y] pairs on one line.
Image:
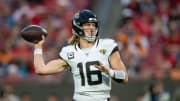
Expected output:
{"points": [[54, 66]]}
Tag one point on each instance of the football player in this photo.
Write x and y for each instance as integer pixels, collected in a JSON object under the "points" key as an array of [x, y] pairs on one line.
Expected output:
{"points": [[92, 61]]}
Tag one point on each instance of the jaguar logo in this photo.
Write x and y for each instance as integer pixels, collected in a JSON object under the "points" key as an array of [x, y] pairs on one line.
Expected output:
{"points": [[103, 51]]}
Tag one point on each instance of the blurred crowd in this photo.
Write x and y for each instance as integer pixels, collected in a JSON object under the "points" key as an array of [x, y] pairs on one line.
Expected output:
{"points": [[149, 38], [148, 35]]}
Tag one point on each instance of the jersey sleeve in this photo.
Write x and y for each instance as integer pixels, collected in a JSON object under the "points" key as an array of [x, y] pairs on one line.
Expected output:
{"points": [[111, 46], [63, 54]]}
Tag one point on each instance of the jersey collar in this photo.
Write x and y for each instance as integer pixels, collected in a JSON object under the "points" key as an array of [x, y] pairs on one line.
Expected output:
{"points": [[77, 47]]}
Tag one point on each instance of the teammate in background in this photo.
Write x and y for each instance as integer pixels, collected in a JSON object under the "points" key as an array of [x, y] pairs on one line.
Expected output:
{"points": [[92, 61]]}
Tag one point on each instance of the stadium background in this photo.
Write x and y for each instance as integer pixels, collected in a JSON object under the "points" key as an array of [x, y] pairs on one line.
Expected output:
{"points": [[147, 31]]}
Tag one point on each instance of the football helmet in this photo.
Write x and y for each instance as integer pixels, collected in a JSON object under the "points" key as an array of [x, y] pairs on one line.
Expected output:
{"points": [[81, 17]]}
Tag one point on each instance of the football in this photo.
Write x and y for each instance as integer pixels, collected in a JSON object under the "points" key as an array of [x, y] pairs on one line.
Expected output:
{"points": [[33, 33]]}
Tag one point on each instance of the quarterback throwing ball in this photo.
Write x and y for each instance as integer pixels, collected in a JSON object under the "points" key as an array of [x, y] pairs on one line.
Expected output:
{"points": [[92, 61]]}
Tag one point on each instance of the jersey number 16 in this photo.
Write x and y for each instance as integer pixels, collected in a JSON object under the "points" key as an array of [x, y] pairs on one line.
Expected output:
{"points": [[89, 73]]}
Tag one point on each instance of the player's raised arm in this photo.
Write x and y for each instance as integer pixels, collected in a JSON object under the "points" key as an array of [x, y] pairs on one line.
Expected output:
{"points": [[54, 66]]}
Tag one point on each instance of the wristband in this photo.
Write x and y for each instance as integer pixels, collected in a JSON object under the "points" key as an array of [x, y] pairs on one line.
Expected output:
{"points": [[38, 51], [117, 74]]}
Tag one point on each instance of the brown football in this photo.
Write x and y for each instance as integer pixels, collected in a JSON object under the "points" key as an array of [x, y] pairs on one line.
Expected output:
{"points": [[33, 33]]}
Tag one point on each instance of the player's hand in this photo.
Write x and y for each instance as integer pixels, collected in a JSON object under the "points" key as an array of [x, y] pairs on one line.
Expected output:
{"points": [[102, 68], [40, 43]]}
